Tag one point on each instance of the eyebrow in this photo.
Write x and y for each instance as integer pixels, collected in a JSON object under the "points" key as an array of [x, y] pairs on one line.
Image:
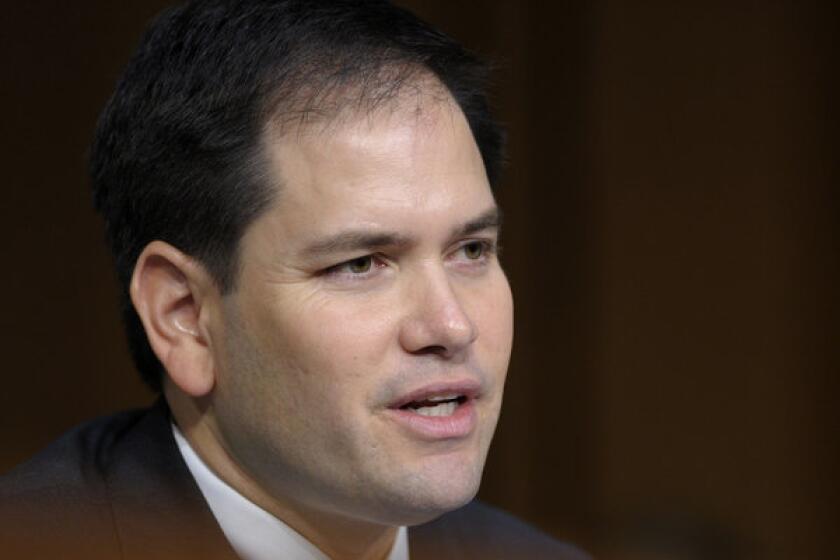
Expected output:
{"points": [[363, 240], [491, 219], [353, 241]]}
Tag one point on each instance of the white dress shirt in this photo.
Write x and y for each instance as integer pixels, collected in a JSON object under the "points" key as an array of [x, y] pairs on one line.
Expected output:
{"points": [[254, 533]]}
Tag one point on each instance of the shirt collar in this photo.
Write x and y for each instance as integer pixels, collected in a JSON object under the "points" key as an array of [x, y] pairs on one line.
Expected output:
{"points": [[254, 533]]}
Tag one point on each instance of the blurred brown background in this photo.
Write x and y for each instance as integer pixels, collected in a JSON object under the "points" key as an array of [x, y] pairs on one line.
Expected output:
{"points": [[671, 239]]}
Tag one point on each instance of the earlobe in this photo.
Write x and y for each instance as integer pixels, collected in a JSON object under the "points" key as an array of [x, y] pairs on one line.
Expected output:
{"points": [[168, 290]]}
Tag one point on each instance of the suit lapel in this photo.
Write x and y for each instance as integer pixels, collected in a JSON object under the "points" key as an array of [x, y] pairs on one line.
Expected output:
{"points": [[157, 508]]}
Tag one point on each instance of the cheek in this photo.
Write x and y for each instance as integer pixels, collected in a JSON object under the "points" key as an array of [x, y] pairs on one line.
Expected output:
{"points": [[493, 315], [344, 331], [333, 347]]}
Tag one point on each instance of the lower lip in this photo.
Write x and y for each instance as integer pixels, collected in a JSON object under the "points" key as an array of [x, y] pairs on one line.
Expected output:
{"points": [[459, 424]]}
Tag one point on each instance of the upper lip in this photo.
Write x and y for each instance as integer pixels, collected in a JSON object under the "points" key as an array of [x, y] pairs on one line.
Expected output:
{"points": [[469, 388]]}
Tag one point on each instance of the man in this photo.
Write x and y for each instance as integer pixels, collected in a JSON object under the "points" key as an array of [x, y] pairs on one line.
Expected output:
{"points": [[297, 195]]}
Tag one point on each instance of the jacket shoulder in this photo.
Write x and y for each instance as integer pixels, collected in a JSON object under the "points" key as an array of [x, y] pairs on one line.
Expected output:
{"points": [[59, 497], [478, 530], [73, 463]]}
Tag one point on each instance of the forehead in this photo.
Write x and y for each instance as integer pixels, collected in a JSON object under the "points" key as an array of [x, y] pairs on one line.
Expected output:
{"points": [[415, 153]]}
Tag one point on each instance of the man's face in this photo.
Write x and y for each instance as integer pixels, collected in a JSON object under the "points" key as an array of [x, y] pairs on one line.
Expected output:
{"points": [[361, 359]]}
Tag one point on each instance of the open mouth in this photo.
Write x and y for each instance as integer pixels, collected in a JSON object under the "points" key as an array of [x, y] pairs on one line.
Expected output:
{"points": [[444, 405], [441, 411], [438, 411]]}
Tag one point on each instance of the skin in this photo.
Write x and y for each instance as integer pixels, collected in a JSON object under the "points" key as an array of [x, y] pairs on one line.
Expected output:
{"points": [[283, 386]]}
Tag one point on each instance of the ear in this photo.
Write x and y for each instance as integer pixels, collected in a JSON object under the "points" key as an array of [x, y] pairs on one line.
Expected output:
{"points": [[170, 292]]}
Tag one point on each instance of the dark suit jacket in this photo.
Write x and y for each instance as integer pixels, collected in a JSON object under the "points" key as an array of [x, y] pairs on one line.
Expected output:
{"points": [[117, 487]]}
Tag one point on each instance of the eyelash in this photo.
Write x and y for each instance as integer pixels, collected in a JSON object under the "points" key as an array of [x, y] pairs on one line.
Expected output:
{"points": [[343, 268], [488, 247]]}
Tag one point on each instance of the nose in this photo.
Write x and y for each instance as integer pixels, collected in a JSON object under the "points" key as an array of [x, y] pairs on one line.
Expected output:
{"points": [[436, 322]]}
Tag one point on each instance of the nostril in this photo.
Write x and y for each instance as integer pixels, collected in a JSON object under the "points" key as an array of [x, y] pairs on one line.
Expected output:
{"points": [[435, 350]]}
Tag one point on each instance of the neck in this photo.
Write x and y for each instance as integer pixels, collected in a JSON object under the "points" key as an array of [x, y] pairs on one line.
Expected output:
{"points": [[337, 536]]}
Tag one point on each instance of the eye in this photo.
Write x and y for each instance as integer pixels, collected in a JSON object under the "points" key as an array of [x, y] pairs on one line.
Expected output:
{"points": [[474, 250], [477, 250], [360, 268], [360, 265]]}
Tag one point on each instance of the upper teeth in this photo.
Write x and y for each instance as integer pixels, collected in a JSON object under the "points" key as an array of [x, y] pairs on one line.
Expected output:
{"points": [[442, 398], [445, 409]]}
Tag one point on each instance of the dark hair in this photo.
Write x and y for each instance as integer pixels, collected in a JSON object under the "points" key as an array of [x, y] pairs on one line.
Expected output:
{"points": [[177, 151]]}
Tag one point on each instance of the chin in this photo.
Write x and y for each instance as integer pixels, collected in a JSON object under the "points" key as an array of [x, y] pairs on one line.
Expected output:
{"points": [[433, 511], [419, 513], [426, 496]]}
